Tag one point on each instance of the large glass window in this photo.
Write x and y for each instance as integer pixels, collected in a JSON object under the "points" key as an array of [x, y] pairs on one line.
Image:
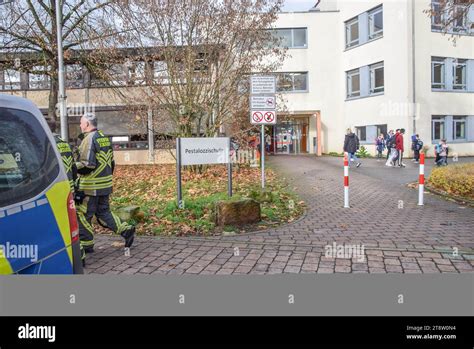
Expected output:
{"points": [[74, 76], [376, 23], [38, 79], [353, 83], [28, 163], [438, 128], [459, 74], [292, 82], [459, 127], [438, 18], [377, 78], [12, 79], [352, 32], [362, 133], [438, 73], [160, 72], [291, 37]]}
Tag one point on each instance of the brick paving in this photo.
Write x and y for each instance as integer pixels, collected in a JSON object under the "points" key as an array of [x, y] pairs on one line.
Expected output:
{"points": [[398, 236]]}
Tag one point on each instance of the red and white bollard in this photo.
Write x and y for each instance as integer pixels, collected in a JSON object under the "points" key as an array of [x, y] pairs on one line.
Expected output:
{"points": [[346, 181], [421, 185]]}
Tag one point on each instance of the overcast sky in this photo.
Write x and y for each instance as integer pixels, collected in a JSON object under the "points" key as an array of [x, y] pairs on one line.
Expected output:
{"points": [[298, 5]]}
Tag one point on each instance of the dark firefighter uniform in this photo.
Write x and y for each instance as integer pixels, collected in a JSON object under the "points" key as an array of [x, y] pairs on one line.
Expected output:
{"points": [[71, 170], [68, 160], [95, 166]]}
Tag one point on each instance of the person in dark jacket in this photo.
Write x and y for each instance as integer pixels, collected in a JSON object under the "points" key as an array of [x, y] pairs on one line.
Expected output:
{"points": [[351, 145]]}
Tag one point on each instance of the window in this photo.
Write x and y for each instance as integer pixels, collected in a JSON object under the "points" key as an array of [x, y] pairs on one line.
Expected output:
{"points": [[29, 163], [438, 18], [38, 79], [117, 75], [352, 32], [353, 83], [376, 78], [437, 73], [12, 80], [459, 127], [438, 128], [136, 73], [459, 74], [160, 72], [74, 76], [381, 129], [292, 82], [376, 23], [291, 37], [451, 16], [362, 133]]}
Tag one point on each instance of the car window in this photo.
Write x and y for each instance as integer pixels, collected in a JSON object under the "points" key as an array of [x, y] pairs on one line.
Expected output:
{"points": [[28, 163]]}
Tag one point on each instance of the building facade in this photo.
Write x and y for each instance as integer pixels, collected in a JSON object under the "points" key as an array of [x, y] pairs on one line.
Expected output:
{"points": [[368, 65], [373, 66]]}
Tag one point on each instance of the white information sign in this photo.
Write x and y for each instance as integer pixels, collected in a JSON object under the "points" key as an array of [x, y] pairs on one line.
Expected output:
{"points": [[263, 102], [262, 85], [205, 151]]}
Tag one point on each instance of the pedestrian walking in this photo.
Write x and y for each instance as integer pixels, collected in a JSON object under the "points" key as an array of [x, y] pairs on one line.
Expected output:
{"points": [[351, 145]]}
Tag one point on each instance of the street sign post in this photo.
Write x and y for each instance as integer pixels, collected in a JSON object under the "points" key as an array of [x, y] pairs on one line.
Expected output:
{"points": [[202, 151], [263, 109]]}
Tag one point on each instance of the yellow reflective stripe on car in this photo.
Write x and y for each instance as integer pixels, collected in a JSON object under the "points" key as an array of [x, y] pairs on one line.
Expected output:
{"points": [[57, 198], [5, 267]]}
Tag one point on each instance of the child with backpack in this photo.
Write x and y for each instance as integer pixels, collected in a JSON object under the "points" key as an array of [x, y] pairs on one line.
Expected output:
{"points": [[417, 147], [380, 146], [441, 152]]}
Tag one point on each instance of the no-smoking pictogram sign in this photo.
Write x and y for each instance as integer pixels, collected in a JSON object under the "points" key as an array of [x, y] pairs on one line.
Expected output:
{"points": [[269, 116], [263, 117], [257, 117]]}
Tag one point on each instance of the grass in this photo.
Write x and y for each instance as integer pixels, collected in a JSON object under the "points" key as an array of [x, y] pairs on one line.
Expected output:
{"points": [[153, 188], [457, 180]]}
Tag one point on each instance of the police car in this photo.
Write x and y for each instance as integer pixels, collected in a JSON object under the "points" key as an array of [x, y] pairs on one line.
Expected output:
{"points": [[38, 226]]}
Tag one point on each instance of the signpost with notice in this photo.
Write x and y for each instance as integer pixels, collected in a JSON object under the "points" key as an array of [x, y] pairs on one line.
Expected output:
{"points": [[202, 151], [263, 109]]}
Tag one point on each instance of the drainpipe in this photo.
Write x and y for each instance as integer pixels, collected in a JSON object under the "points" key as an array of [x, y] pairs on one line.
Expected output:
{"points": [[413, 64]]}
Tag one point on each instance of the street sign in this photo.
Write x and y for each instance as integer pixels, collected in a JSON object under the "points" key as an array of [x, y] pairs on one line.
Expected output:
{"points": [[264, 102], [205, 151], [262, 85], [263, 117]]}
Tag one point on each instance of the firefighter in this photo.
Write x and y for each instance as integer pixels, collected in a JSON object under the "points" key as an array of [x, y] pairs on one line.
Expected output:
{"points": [[71, 170], [95, 166], [68, 160]]}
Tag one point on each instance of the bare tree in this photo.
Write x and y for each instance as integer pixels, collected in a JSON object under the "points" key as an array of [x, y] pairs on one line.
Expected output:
{"points": [[203, 54], [28, 32], [452, 16]]}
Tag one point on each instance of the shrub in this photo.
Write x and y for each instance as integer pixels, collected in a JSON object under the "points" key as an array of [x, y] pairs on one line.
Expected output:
{"points": [[455, 179]]}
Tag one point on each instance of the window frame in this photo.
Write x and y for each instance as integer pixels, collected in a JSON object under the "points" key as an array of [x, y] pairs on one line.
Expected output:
{"points": [[372, 68], [441, 61], [293, 75], [460, 120], [463, 85], [358, 130], [371, 23], [44, 84], [441, 119], [348, 34], [292, 36], [349, 92], [7, 85]]}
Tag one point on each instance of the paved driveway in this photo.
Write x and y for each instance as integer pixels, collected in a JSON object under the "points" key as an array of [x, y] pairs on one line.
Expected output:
{"points": [[396, 235]]}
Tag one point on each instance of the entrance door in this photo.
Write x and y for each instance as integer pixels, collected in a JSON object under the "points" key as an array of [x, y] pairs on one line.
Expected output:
{"points": [[304, 138]]}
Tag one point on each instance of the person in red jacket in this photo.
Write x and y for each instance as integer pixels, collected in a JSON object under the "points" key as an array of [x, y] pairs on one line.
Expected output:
{"points": [[399, 146]]}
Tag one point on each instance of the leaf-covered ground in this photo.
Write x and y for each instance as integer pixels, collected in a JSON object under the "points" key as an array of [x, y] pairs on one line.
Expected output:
{"points": [[153, 188]]}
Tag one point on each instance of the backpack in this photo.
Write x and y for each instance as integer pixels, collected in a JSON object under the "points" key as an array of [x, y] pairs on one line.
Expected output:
{"points": [[419, 145], [390, 142]]}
